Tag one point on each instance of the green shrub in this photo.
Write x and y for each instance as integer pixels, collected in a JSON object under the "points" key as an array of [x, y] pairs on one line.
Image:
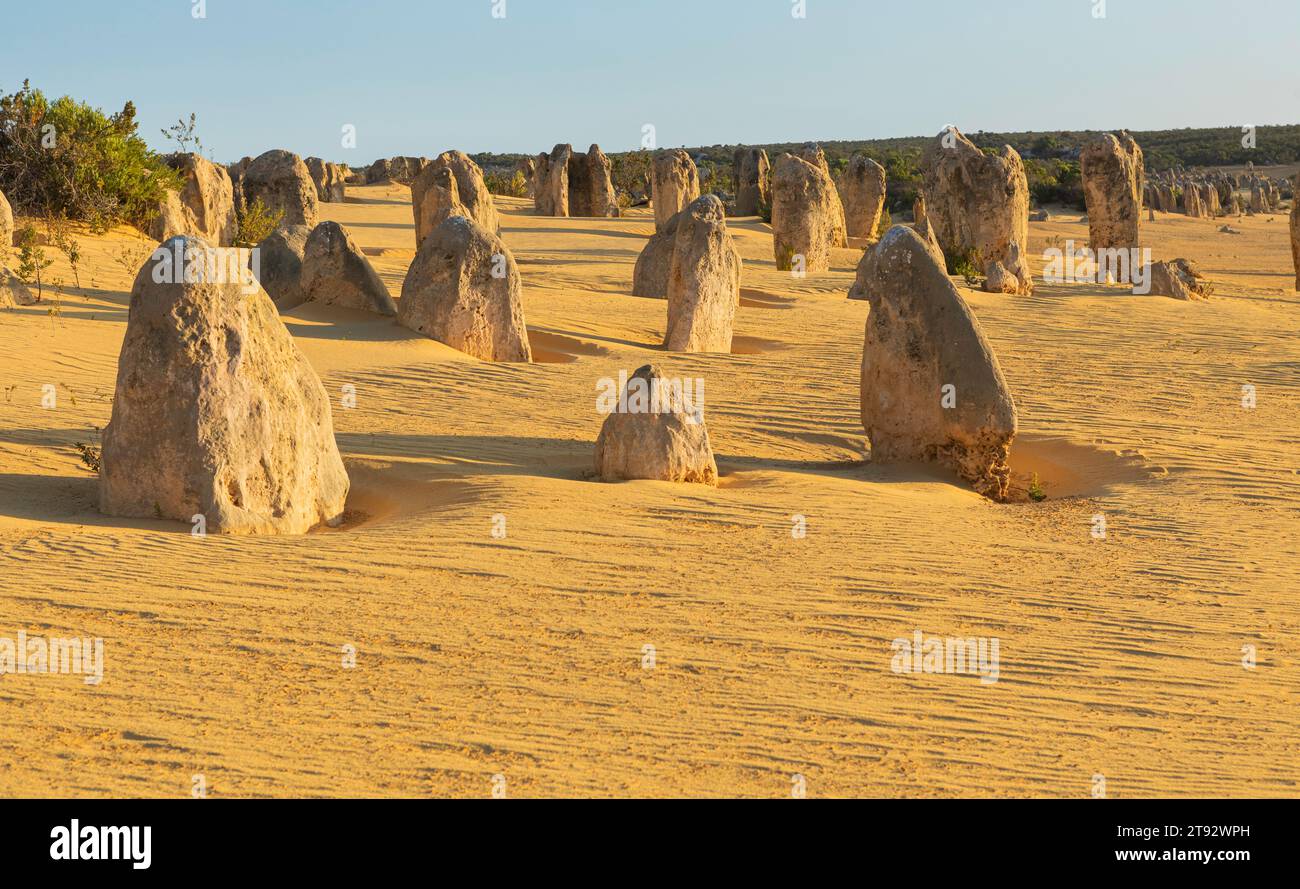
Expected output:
{"points": [[630, 172], [91, 456], [963, 262], [509, 186], [255, 224], [66, 159], [1055, 181], [886, 222], [31, 259]]}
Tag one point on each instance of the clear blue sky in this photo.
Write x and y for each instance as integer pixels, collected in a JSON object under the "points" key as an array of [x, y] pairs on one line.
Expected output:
{"points": [[422, 76]]}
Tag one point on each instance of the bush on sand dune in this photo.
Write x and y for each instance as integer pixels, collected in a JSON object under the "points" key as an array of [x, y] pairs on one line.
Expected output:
{"points": [[63, 158]]}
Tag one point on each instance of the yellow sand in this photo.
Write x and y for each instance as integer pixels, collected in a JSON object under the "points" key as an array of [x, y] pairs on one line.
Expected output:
{"points": [[523, 656]]}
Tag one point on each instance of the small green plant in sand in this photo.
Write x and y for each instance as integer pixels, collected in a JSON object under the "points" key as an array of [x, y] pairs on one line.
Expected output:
{"points": [[61, 237], [31, 259], [90, 456], [963, 262], [256, 223], [131, 256], [1036, 492]]}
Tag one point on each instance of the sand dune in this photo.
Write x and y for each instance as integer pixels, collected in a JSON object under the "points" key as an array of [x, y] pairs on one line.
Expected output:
{"points": [[523, 656]]}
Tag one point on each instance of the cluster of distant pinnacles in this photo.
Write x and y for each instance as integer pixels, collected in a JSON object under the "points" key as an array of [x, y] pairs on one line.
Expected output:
{"points": [[218, 415]]}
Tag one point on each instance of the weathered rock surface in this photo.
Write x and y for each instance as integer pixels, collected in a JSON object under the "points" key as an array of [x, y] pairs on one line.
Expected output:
{"points": [[752, 172], [650, 275], [329, 178], [13, 292], [279, 265], [978, 203], [674, 183], [401, 169], [336, 273], [435, 197], [431, 195], [6, 226], [551, 182], [1112, 173], [661, 436], [216, 413], [703, 280], [463, 289], [236, 173], [813, 154], [920, 338], [1009, 277], [281, 181], [591, 190], [862, 190], [203, 208], [1178, 278], [926, 231], [807, 219], [1295, 234], [1210, 200]]}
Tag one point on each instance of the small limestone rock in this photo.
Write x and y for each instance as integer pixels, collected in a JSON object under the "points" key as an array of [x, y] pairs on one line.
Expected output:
{"points": [[336, 273], [660, 436], [551, 182], [1013, 277], [431, 194], [650, 275], [920, 338], [1295, 234], [6, 226], [329, 179], [463, 289], [977, 202], [435, 197], [402, 169], [703, 281], [752, 172], [674, 183], [217, 414], [865, 272], [591, 190], [863, 192], [1166, 282], [1111, 170], [807, 218], [203, 208], [13, 292], [279, 265], [281, 181], [999, 280]]}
